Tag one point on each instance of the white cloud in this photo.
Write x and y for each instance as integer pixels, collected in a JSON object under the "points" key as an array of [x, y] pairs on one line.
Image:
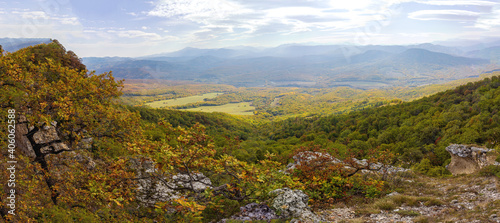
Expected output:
{"points": [[69, 20], [132, 14], [450, 15], [489, 21], [459, 2], [223, 17], [135, 34], [195, 9]]}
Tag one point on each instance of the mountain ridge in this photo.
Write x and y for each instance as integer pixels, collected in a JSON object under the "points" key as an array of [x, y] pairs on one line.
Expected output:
{"points": [[310, 65]]}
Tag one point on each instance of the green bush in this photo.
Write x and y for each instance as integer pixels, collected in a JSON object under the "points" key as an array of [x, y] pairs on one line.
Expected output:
{"points": [[425, 167]]}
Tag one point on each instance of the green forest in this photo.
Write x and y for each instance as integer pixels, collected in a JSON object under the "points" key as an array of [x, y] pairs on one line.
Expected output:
{"points": [[89, 141]]}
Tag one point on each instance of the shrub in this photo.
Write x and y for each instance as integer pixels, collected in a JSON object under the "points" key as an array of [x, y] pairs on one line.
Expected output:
{"points": [[326, 182], [425, 167]]}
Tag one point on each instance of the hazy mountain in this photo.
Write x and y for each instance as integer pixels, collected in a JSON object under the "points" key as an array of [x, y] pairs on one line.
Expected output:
{"points": [[301, 65], [14, 44], [490, 53], [370, 56], [99, 62], [439, 49], [421, 56], [190, 52]]}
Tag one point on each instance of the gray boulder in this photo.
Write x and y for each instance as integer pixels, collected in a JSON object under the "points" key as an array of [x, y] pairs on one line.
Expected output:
{"points": [[254, 212], [293, 204], [154, 186], [308, 156], [362, 164], [467, 159]]}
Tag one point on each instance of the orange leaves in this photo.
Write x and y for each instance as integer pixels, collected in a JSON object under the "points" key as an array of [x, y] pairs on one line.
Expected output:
{"points": [[327, 180], [192, 206]]}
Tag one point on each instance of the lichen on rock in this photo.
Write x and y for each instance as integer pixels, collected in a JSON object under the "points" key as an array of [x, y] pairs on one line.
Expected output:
{"points": [[293, 204]]}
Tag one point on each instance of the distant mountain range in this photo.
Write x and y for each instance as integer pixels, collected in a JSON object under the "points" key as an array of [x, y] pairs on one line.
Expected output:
{"points": [[307, 66], [371, 66], [13, 44]]}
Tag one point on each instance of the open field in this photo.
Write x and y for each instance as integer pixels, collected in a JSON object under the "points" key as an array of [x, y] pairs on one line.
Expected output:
{"points": [[182, 101], [242, 108]]}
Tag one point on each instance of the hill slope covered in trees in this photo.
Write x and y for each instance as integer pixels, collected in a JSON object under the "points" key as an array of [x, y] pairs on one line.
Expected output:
{"points": [[81, 156]]}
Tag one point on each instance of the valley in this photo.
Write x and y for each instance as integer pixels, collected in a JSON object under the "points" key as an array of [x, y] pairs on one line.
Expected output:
{"points": [[242, 108], [181, 101], [259, 111], [322, 66], [94, 149]]}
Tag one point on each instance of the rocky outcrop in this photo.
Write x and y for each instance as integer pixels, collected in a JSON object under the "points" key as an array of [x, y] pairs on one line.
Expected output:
{"points": [[49, 134], [304, 157], [45, 135], [466, 159], [293, 204], [254, 212], [22, 143], [154, 187]]}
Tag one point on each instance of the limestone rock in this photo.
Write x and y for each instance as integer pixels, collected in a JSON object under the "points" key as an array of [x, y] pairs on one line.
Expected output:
{"points": [[44, 135], [308, 156], [466, 159], [22, 143], [196, 182], [293, 203], [370, 167], [154, 187], [254, 212]]}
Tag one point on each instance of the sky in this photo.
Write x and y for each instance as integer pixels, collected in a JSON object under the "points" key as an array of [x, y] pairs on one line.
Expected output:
{"points": [[132, 28]]}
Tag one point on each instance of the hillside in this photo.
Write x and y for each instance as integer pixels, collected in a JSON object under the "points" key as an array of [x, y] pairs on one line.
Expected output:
{"points": [[82, 156], [414, 130]]}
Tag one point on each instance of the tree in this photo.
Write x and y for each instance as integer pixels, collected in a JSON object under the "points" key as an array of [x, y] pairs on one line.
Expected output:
{"points": [[58, 100], [187, 159]]}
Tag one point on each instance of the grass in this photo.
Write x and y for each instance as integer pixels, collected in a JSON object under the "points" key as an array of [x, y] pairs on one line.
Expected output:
{"points": [[408, 213], [403, 199], [182, 101], [430, 201], [386, 205], [242, 108]]}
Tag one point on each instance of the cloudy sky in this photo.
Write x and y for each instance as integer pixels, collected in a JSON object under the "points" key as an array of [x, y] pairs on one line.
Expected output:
{"points": [[137, 28]]}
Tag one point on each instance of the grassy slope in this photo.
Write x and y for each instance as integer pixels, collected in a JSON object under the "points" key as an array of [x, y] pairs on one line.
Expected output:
{"points": [[242, 108], [181, 101]]}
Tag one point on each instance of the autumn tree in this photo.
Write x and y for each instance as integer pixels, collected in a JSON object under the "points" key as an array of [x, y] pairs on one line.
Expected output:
{"points": [[187, 165], [60, 107]]}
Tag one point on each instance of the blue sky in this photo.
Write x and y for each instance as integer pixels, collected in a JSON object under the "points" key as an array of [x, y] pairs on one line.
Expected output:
{"points": [[138, 28]]}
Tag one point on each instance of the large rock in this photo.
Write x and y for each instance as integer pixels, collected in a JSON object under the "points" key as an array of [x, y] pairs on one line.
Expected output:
{"points": [[46, 134], [293, 204], [254, 212], [307, 156], [154, 187], [466, 159], [22, 142]]}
